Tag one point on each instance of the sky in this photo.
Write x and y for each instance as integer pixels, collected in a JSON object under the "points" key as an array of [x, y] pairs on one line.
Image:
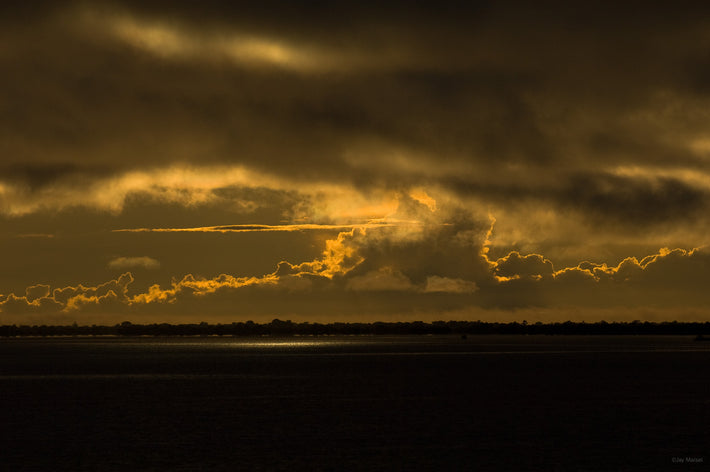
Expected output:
{"points": [[354, 161]]}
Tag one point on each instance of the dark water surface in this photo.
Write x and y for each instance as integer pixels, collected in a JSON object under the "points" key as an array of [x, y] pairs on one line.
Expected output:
{"points": [[602, 403]]}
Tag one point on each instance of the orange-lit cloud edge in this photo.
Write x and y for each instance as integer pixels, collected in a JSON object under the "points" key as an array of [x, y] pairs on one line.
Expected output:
{"points": [[353, 268], [255, 228]]}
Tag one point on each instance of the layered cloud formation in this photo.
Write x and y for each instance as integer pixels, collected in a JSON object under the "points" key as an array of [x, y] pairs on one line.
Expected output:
{"points": [[348, 160], [424, 268]]}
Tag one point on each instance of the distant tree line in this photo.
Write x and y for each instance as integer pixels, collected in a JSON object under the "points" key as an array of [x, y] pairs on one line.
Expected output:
{"points": [[288, 328]]}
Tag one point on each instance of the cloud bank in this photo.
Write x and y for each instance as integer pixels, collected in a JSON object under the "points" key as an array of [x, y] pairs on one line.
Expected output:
{"points": [[431, 270]]}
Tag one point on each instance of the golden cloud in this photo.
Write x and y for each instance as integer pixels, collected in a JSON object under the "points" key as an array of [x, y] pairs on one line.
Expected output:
{"points": [[257, 228]]}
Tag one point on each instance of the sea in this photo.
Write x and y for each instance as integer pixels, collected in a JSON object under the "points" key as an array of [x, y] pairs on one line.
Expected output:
{"points": [[355, 403]]}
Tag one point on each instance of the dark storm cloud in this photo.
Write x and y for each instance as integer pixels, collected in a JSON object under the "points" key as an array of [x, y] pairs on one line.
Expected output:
{"points": [[36, 175], [484, 85], [551, 90], [634, 202], [624, 201]]}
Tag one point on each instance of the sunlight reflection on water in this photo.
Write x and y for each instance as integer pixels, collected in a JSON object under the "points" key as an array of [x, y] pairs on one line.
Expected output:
{"points": [[250, 345], [335, 345]]}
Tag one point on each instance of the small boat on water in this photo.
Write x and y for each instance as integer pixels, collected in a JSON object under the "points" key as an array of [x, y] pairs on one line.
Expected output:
{"points": [[700, 337]]}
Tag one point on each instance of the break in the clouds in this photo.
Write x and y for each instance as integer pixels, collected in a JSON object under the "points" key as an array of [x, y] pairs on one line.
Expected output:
{"points": [[349, 159]]}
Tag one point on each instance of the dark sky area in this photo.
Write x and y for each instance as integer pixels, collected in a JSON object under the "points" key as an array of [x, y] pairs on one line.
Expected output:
{"points": [[325, 161]]}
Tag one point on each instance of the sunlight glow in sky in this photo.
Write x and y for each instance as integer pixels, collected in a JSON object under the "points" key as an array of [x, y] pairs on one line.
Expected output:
{"points": [[207, 161]]}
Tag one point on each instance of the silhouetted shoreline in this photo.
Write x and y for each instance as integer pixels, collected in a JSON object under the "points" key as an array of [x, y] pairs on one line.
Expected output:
{"points": [[288, 328]]}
